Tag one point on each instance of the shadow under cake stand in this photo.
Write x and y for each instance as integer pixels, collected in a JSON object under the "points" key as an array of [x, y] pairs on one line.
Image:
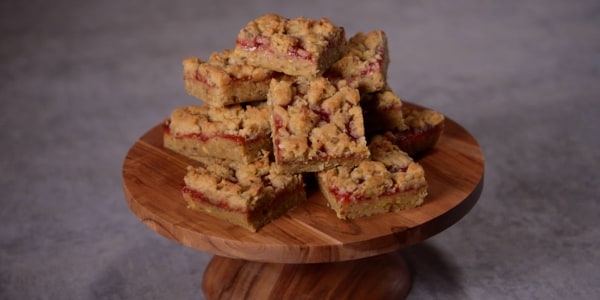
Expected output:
{"points": [[308, 251]]}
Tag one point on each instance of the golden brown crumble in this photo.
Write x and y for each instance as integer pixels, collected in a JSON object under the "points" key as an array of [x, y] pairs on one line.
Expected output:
{"points": [[389, 169], [240, 184], [235, 67], [249, 122], [225, 80], [365, 63], [315, 120], [312, 35], [299, 47], [421, 118]]}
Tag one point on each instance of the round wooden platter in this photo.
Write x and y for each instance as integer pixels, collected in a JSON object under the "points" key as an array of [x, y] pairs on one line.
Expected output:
{"points": [[311, 233]]}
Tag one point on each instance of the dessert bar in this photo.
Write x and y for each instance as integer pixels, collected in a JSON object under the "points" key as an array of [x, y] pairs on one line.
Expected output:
{"points": [[236, 132], [424, 127], [249, 195], [315, 125], [365, 63], [298, 47], [223, 80], [390, 181]]}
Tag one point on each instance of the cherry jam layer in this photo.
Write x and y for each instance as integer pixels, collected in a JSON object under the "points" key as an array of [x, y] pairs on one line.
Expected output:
{"points": [[260, 42], [224, 205], [346, 198], [407, 138], [374, 66], [263, 43], [200, 198], [203, 137]]}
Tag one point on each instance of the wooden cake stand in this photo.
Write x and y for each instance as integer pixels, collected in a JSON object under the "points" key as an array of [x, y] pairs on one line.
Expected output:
{"points": [[309, 252]]}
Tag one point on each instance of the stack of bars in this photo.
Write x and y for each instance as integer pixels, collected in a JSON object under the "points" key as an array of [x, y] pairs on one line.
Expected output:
{"points": [[296, 98]]}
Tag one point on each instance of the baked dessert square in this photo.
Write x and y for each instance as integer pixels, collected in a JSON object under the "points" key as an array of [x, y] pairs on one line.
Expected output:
{"points": [[382, 111], [298, 47], [236, 132], [315, 125], [249, 195], [365, 63], [223, 80], [424, 127], [390, 181]]}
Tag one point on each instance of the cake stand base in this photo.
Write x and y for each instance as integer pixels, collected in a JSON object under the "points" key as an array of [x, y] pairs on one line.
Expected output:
{"points": [[384, 276]]}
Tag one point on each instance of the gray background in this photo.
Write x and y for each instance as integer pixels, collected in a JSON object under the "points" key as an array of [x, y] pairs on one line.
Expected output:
{"points": [[80, 81]]}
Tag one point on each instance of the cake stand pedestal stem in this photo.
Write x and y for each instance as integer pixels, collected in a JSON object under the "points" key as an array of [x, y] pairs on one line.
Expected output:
{"points": [[385, 276]]}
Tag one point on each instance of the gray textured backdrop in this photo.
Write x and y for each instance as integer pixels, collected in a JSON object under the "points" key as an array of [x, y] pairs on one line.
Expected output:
{"points": [[80, 81]]}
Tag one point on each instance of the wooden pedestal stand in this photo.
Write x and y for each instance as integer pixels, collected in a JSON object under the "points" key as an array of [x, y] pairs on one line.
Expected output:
{"points": [[307, 253]]}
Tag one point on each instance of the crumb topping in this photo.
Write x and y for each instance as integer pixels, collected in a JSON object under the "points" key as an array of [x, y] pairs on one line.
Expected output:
{"points": [[370, 46], [308, 36], [315, 118], [222, 68], [389, 170], [421, 118], [238, 183], [236, 67], [249, 122], [383, 150], [366, 54], [383, 100]]}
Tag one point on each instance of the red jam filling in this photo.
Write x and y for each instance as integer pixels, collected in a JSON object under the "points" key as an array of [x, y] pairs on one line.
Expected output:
{"points": [[374, 66], [199, 197], [350, 131], [396, 169], [258, 43], [278, 125], [202, 79], [324, 116], [407, 138], [241, 79], [262, 43], [299, 52], [223, 204], [347, 197], [202, 137]]}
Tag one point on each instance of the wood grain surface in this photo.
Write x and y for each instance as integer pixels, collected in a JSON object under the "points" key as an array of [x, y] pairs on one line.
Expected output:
{"points": [[383, 276], [311, 233]]}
